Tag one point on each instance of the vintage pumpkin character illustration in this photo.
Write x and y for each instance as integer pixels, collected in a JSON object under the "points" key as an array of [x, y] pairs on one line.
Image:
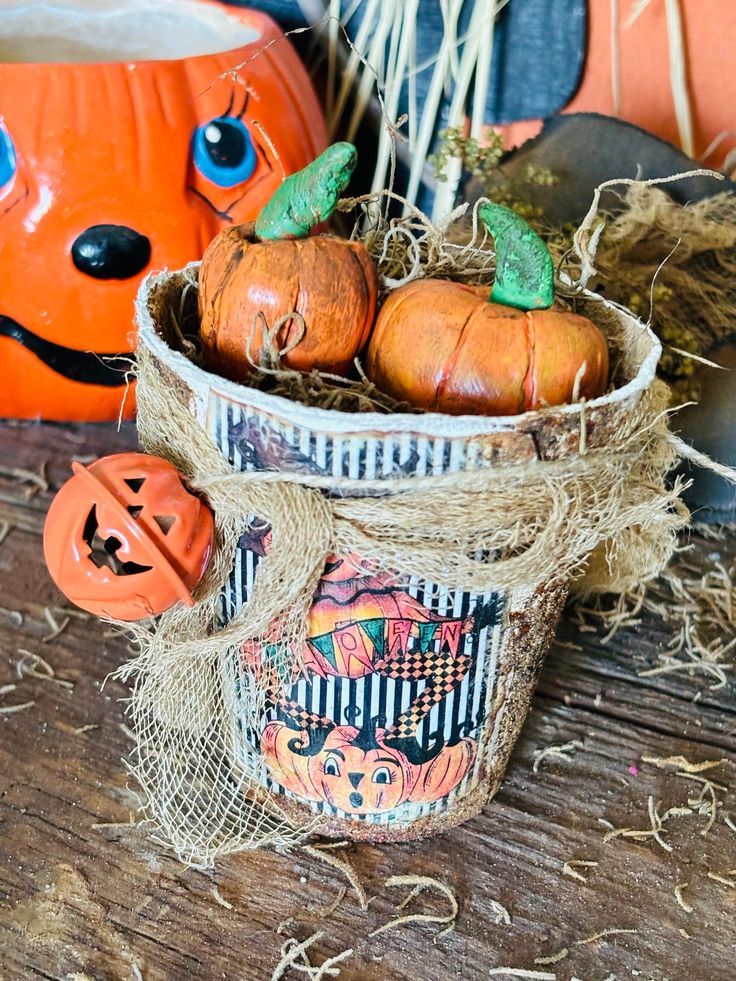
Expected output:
{"points": [[128, 161], [358, 770], [384, 673]]}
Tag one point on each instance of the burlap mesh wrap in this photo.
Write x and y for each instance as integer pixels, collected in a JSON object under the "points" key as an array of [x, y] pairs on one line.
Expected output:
{"points": [[590, 506]]}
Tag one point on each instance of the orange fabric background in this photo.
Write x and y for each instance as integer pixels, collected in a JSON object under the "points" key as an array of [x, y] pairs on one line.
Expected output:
{"points": [[646, 97]]}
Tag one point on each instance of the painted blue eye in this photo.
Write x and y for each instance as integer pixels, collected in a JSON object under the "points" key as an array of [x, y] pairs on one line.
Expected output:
{"points": [[382, 775], [224, 152], [8, 162]]}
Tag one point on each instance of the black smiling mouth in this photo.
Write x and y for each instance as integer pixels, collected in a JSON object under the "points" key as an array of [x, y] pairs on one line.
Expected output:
{"points": [[86, 367]]}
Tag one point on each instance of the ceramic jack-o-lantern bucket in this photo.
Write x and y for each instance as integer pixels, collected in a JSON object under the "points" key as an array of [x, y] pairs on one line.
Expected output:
{"points": [[124, 146]]}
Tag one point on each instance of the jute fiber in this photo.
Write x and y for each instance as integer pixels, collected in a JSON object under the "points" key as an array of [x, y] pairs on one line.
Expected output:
{"points": [[601, 515], [675, 265]]}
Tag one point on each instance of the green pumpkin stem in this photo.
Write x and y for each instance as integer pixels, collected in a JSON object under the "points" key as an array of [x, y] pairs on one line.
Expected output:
{"points": [[307, 198], [524, 271]]}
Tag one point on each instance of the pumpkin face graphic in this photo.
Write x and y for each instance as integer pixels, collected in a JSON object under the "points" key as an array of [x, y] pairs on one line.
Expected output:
{"points": [[355, 771], [128, 139]]}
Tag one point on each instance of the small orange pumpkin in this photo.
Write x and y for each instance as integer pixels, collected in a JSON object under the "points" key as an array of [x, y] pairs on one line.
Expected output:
{"points": [[449, 347], [124, 538], [253, 277]]}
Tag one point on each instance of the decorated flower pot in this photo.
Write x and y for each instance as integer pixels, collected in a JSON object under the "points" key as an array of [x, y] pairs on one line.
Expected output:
{"points": [[397, 717], [129, 134]]}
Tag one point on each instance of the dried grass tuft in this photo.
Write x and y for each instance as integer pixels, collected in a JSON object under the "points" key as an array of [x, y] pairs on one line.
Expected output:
{"points": [[695, 597]]}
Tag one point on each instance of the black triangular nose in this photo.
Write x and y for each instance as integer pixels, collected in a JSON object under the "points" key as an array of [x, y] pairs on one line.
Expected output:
{"points": [[111, 252], [355, 779]]}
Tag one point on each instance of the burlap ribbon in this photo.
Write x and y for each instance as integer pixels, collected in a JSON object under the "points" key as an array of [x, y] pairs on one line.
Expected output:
{"points": [[605, 519]]}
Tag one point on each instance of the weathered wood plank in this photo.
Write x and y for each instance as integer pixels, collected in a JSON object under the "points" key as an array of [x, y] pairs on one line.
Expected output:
{"points": [[107, 901]]}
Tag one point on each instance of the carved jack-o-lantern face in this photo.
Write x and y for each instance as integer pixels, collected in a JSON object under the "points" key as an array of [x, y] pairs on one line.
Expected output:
{"points": [[125, 146], [125, 539]]}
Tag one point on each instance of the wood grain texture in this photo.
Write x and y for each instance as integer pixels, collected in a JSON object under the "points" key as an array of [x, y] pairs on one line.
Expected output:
{"points": [[107, 902]]}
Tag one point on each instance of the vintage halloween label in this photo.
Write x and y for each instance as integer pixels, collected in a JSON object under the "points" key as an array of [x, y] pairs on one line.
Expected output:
{"points": [[394, 715]]}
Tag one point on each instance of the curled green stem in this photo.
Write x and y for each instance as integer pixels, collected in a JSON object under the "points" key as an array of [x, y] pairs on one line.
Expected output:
{"points": [[307, 198], [524, 271]]}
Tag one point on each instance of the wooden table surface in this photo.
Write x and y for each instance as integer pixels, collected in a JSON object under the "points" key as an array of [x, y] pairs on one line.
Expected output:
{"points": [[83, 896]]}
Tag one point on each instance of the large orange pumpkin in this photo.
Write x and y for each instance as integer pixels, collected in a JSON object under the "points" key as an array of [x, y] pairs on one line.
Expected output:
{"points": [[252, 278], [449, 347], [125, 146]]}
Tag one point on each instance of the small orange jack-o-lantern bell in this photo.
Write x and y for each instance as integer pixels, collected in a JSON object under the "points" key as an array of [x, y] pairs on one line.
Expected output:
{"points": [[125, 539]]}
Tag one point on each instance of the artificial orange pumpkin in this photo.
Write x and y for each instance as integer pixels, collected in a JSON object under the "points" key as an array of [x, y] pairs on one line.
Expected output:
{"points": [[449, 347], [129, 136], [253, 277], [124, 538]]}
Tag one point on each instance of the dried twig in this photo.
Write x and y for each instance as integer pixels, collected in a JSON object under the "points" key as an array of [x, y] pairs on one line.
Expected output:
{"points": [[569, 868], [679, 889], [294, 954], [654, 831], [327, 968], [603, 934], [326, 911], [702, 806], [501, 914], [345, 867], [29, 663], [419, 883], [722, 879], [292, 951], [220, 899], [520, 972], [56, 628], [12, 709], [553, 958], [682, 763]]}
